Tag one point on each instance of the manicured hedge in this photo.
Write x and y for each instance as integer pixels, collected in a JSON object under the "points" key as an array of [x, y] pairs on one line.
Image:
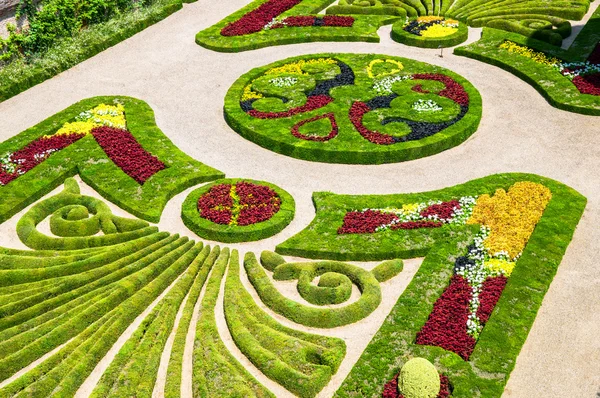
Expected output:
{"points": [[556, 88], [364, 29], [490, 365], [308, 315], [23, 74], [387, 270], [301, 362], [216, 372], [86, 158], [235, 233], [349, 146], [404, 37]]}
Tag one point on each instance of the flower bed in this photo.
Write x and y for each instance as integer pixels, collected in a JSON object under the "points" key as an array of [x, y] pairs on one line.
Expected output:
{"points": [[235, 210], [430, 32], [289, 107], [113, 144]]}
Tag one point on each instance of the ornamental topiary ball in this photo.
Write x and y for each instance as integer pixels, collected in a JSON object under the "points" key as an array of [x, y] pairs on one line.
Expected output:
{"points": [[419, 379]]}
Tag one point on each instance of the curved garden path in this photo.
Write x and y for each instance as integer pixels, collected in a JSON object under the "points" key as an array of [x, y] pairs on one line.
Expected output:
{"points": [[185, 85]]}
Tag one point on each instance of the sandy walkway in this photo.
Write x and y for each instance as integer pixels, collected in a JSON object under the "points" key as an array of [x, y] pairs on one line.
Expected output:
{"points": [[185, 85]]}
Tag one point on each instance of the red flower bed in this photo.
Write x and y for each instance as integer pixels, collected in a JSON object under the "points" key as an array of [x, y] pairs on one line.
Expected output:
{"points": [[35, 153], [338, 20], [489, 296], [249, 204], [356, 114], [334, 128], [453, 89], [312, 103], [588, 84], [255, 20], [417, 225], [364, 222], [443, 211], [307, 20], [123, 149], [390, 390], [446, 326], [216, 204]]}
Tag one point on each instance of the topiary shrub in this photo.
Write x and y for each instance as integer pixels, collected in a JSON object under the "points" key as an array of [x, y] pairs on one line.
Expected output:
{"points": [[419, 379]]}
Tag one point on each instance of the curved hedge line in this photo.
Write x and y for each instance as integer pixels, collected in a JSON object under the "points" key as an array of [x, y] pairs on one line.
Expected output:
{"points": [[349, 146], [312, 316], [234, 233], [404, 37], [86, 158], [303, 370], [558, 90]]}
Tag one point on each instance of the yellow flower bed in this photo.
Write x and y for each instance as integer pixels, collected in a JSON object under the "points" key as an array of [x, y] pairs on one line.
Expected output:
{"points": [[524, 51], [294, 68], [438, 30], [398, 67], [429, 18], [511, 216], [500, 265], [102, 115]]}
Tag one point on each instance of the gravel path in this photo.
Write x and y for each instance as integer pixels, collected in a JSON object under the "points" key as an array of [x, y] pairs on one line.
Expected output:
{"points": [[185, 85]]}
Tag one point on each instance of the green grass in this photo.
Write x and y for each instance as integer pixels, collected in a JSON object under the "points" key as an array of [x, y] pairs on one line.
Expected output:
{"points": [[23, 74], [235, 233], [489, 367], [558, 90], [86, 158], [349, 146]]}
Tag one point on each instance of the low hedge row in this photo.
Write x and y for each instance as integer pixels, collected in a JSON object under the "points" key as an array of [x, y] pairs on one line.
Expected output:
{"points": [[216, 372], [23, 74], [364, 29], [350, 146], [234, 233], [494, 356], [387, 269], [313, 316], [86, 158], [301, 362], [174, 369], [561, 93], [404, 37], [377, 9], [134, 370]]}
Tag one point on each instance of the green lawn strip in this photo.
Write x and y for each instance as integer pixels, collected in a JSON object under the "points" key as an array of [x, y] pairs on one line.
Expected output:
{"points": [[321, 240], [301, 362], [216, 372], [74, 286], [134, 370], [234, 233], [68, 377], [557, 89], [86, 158], [125, 288], [173, 380], [23, 74], [349, 146], [364, 29], [500, 342], [29, 275], [410, 39], [308, 315]]}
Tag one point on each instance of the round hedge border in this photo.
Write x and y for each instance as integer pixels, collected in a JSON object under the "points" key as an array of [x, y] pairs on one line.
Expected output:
{"points": [[401, 36], [232, 233], [446, 139]]}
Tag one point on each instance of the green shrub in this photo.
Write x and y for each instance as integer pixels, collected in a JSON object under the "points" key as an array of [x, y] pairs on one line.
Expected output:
{"points": [[235, 233], [387, 270], [419, 379]]}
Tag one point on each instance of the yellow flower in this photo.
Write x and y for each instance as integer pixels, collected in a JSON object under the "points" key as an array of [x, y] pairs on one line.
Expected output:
{"points": [[511, 216], [398, 67], [296, 67], [500, 265], [410, 208], [76, 127], [524, 51], [429, 18], [249, 94], [438, 30], [101, 115]]}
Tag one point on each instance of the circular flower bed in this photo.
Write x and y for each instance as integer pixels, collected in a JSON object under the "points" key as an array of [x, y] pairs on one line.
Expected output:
{"points": [[235, 210], [353, 108], [430, 32]]}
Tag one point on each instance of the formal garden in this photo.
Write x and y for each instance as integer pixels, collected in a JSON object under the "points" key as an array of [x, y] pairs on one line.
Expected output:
{"points": [[299, 198]]}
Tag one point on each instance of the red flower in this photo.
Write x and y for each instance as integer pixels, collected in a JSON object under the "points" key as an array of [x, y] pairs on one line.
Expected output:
{"points": [[588, 84], [123, 149], [338, 20], [489, 296], [453, 89], [313, 102], [417, 225], [443, 211], [334, 128], [364, 222], [255, 20], [356, 114], [446, 326]]}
